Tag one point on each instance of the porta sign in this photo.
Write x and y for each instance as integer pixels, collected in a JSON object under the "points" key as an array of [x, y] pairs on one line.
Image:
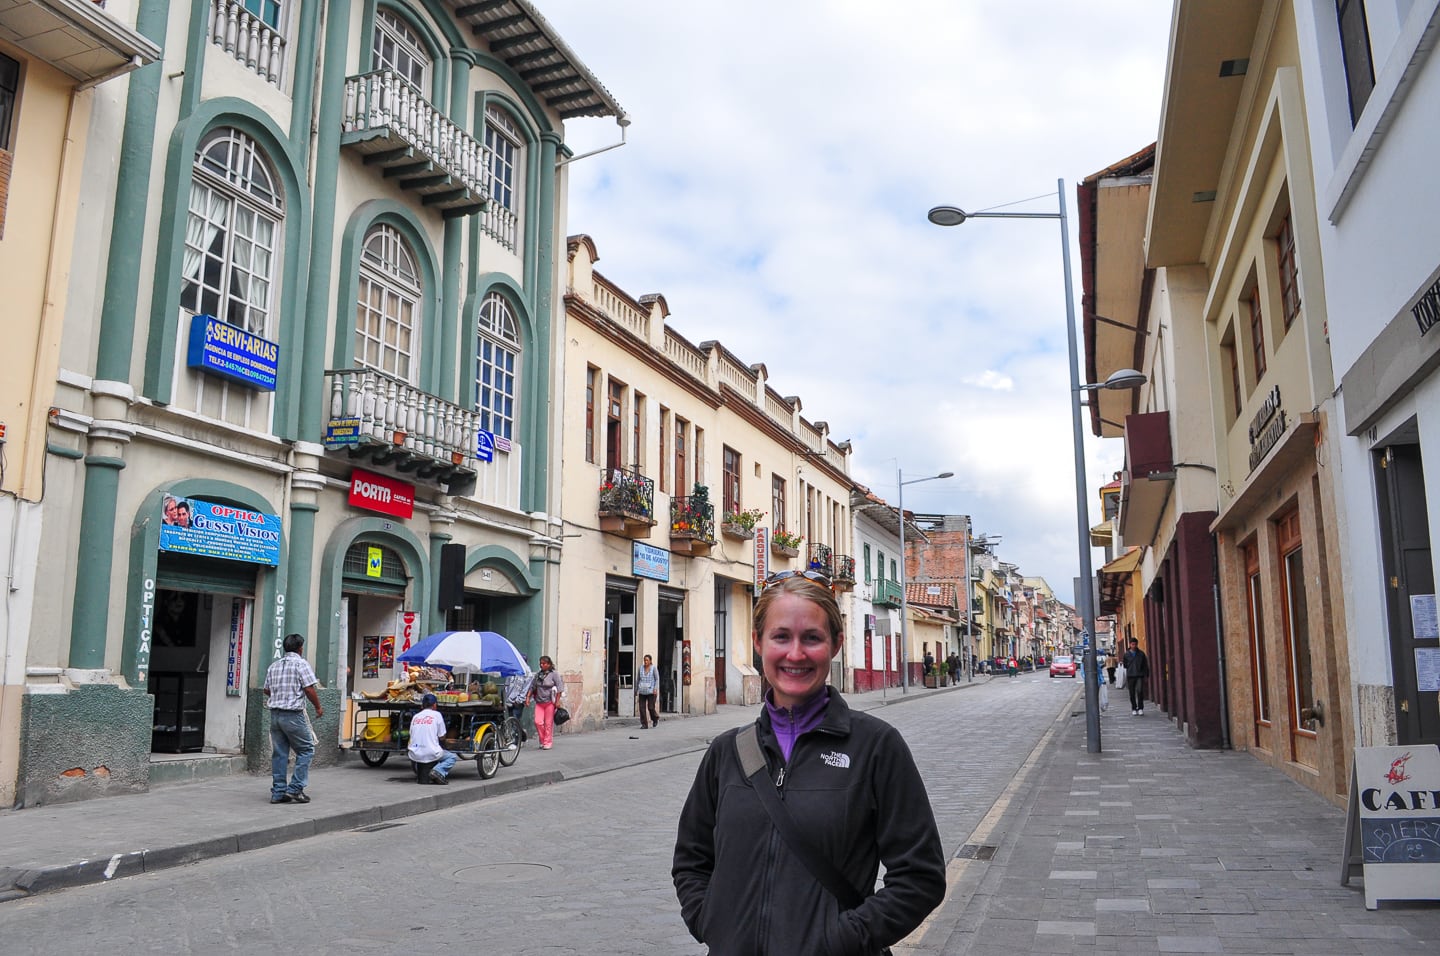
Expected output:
{"points": [[380, 493]]}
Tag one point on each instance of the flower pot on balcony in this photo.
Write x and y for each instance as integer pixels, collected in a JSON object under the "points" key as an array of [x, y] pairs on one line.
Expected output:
{"points": [[737, 531], [780, 549]]}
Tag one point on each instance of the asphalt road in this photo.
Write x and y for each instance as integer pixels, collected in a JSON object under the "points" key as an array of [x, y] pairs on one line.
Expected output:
{"points": [[582, 867]]}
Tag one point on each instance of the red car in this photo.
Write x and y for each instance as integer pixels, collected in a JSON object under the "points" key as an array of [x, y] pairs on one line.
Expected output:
{"points": [[1062, 666]]}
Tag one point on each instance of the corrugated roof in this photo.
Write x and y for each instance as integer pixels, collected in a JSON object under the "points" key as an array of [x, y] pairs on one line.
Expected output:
{"points": [[517, 33]]}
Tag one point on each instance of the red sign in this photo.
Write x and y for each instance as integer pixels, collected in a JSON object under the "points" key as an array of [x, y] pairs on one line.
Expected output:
{"points": [[379, 493]]}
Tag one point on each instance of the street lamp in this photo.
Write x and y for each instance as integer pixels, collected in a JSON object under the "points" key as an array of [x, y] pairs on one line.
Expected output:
{"points": [[904, 604], [1127, 378]]}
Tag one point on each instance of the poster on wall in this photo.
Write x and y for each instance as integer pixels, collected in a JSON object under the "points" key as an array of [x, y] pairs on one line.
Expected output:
{"points": [[210, 530], [370, 656], [387, 651], [235, 659]]}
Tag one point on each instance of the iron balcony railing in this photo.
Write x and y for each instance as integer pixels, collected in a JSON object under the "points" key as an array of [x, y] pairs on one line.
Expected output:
{"points": [[628, 493], [844, 569], [822, 559], [887, 592], [692, 517]]}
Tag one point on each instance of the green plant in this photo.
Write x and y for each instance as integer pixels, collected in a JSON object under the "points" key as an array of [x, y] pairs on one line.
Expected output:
{"points": [[747, 518], [786, 539]]}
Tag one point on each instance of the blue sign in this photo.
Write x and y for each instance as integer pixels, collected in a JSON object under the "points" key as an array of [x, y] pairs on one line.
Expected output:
{"points": [[230, 352], [340, 432], [484, 445], [650, 562], [209, 530]]}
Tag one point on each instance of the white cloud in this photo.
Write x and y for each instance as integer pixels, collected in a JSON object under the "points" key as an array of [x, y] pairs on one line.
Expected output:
{"points": [[774, 188]]}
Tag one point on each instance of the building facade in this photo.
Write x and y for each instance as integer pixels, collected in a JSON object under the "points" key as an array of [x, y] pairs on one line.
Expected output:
{"points": [[687, 481], [320, 349]]}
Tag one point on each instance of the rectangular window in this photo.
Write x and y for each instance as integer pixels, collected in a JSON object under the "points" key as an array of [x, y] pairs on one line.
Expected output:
{"points": [[637, 431], [1355, 49], [730, 492], [1296, 618], [614, 438], [9, 93], [662, 478], [591, 374], [1234, 362], [699, 456], [681, 486], [1288, 273], [880, 565], [1257, 334], [866, 552], [777, 503], [1259, 659]]}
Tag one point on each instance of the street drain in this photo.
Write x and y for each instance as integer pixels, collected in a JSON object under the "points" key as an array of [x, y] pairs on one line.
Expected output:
{"points": [[502, 873], [376, 828], [975, 851]]}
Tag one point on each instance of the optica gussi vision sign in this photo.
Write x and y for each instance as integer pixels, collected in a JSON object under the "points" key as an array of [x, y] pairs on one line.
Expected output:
{"points": [[230, 352]]}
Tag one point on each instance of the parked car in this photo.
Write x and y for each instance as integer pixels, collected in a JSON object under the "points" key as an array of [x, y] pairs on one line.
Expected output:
{"points": [[1062, 666]]}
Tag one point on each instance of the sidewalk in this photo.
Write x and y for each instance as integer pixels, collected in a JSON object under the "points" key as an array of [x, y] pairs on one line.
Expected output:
{"points": [[47, 848], [1154, 847]]}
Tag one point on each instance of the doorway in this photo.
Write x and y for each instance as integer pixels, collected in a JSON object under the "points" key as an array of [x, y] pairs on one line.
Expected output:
{"points": [[621, 598], [672, 634]]}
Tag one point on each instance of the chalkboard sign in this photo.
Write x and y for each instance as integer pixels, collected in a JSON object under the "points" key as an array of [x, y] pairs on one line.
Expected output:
{"points": [[1392, 829]]}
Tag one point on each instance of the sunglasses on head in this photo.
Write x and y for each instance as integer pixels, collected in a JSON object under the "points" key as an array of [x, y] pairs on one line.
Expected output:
{"points": [[819, 577]]}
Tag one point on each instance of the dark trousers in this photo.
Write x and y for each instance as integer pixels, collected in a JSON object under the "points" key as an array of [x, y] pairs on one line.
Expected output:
{"points": [[648, 713], [1136, 685], [518, 712]]}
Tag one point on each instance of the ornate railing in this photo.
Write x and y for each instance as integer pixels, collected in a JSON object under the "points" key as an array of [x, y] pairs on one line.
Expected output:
{"points": [[844, 569], [500, 224], [392, 411], [887, 592], [692, 517], [250, 40], [821, 559], [628, 493], [382, 100]]}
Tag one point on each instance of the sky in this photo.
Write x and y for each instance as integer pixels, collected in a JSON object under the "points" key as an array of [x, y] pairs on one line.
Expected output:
{"points": [[774, 185]]}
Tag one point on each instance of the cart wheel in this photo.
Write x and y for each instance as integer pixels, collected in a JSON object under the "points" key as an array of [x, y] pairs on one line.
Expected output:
{"points": [[374, 758], [509, 741], [488, 757]]}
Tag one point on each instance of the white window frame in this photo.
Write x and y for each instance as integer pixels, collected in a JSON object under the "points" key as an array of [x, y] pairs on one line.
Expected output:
{"points": [[504, 158], [388, 305], [232, 231], [497, 364], [406, 54]]}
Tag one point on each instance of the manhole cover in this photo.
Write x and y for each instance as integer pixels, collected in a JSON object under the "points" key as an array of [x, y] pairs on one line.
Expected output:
{"points": [[975, 851], [502, 873]]}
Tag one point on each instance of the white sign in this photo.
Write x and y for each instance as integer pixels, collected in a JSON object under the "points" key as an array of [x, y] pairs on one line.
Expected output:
{"points": [[1393, 825], [1422, 617]]}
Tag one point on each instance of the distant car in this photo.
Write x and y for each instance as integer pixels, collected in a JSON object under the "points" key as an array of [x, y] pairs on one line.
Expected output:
{"points": [[1062, 666]]}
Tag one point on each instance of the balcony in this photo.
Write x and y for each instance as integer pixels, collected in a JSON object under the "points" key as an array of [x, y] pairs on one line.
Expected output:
{"points": [[627, 503], [385, 421], [395, 129], [1149, 475], [822, 559], [692, 525], [844, 577], [887, 593]]}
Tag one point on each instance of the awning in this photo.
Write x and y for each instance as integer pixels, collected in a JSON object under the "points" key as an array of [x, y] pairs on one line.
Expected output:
{"points": [[1126, 563], [1115, 576]]}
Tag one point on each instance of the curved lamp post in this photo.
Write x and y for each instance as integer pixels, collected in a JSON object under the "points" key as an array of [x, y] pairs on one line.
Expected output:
{"points": [[904, 604], [1124, 379]]}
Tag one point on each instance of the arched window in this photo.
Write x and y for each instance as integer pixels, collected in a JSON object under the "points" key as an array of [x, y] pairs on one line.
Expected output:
{"points": [[397, 47], [390, 297], [503, 155], [497, 356], [231, 234]]}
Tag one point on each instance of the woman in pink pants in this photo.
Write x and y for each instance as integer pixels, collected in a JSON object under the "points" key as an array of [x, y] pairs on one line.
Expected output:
{"points": [[546, 690]]}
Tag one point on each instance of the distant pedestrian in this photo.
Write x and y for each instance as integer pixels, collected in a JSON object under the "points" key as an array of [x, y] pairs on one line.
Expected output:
{"points": [[426, 729], [790, 817], [546, 689], [953, 661], [1111, 662], [647, 685], [517, 686], [929, 663], [289, 682], [1137, 668]]}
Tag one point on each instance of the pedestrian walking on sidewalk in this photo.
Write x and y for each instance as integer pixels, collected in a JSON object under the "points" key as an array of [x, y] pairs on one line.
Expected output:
{"points": [[426, 729], [546, 689], [289, 682], [838, 786], [1137, 668], [647, 686]]}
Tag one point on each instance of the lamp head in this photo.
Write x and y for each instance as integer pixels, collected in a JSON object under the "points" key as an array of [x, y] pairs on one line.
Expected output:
{"points": [[946, 474], [1125, 378], [947, 215]]}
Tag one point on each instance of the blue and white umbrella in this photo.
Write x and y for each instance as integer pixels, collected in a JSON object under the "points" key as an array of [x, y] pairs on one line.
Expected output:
{"points": [[472, 652]]}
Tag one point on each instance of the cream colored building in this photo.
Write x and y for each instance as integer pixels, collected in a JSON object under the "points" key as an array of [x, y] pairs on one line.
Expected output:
{"points": [[665, 444]]}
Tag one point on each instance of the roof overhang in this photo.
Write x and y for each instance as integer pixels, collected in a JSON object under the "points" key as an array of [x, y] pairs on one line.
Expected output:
{"points": [[1114, 577], [1149, 475], [517, 33], [76, 37], [1196, 117]]}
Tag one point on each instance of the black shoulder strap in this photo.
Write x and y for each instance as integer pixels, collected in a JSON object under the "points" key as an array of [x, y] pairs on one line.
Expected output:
{"points": [[752, 763]]}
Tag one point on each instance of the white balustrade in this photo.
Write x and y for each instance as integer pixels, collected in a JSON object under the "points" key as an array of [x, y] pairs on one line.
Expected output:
{"points": [[251, 41], [383, 100]]}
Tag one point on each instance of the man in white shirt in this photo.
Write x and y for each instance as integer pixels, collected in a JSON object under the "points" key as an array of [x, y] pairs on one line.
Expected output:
{"points": [[426, 729]]}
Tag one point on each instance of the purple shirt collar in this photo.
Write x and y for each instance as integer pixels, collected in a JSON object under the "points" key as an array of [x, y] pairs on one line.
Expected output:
{"points": [[790, 724]]}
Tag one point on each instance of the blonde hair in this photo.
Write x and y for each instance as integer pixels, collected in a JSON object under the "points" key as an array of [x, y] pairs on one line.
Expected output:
{"points": [[812, 591]]}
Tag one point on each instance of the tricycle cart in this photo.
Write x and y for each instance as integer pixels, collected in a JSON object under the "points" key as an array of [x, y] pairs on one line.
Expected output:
{"points": [[474, 729]]}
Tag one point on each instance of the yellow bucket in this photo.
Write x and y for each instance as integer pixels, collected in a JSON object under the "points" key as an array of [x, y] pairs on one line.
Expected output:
{"points": [[377, 730]]}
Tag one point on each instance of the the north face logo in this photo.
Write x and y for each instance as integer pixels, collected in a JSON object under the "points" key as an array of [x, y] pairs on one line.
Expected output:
{"points": [[836, 760]]}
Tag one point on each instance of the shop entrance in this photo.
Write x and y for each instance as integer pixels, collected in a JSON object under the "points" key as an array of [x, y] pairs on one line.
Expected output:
{"points": [[722, 637], [621, 596], [672, 636], [200, 651], [374, 584], [1409, 591]]}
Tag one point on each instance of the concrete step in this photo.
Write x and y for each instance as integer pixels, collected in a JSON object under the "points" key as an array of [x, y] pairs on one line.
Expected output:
{"points": [[168, 769]]}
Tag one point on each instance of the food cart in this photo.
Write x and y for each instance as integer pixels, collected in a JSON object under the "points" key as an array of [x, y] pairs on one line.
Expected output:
{"points": [[476, 724]]}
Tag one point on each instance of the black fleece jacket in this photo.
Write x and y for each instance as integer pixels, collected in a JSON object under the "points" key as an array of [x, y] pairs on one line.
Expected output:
{"points": [[852, 788]]}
